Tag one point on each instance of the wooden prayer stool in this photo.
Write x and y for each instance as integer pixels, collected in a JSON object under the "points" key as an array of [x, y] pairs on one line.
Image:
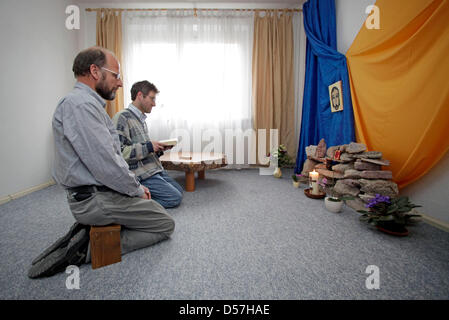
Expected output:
{"points": [[105, 245], [191, 162]]}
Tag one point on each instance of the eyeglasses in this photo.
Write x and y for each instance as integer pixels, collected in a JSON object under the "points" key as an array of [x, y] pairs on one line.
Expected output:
{"points": [[117, 75], [151, 98]]}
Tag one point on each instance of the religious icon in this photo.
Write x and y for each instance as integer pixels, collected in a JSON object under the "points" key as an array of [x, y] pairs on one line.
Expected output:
{"points": [[337, 154], [336, 96]]}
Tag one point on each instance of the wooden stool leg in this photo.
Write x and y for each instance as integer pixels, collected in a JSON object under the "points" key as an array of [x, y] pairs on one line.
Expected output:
{"points": [[105, 245], [202, 174], [190, 181]]}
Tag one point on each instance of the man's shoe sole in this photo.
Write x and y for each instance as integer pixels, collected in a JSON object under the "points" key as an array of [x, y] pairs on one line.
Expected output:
{"points": [[59, 259], [60, 243]]}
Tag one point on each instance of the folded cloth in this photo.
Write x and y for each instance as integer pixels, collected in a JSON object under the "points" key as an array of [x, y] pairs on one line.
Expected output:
{"points": [[70, 249]]}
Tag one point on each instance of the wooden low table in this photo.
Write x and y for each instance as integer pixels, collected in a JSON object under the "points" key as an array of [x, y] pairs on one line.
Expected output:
{"points": [[191, 162]]}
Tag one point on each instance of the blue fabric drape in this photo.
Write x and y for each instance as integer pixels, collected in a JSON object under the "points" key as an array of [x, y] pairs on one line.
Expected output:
{"points": [[324, 66]]}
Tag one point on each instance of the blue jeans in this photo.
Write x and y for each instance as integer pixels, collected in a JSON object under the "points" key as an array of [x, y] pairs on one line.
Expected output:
{"points": [[164, 189]]}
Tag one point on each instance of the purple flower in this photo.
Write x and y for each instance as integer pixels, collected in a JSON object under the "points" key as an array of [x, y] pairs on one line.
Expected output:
{"points": [[323, 182], [378, 199]]}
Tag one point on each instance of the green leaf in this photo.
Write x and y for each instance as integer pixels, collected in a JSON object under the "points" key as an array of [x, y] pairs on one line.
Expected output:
{"points": [[386, 218], [364, 218], [402, 201], [392, 209]]}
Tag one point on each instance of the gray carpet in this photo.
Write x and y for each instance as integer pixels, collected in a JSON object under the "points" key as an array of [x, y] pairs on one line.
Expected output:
{"points": [[238, 236]]}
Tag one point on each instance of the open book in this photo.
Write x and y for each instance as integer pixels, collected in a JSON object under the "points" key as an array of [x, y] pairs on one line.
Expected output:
{"points": [[170, 142]]}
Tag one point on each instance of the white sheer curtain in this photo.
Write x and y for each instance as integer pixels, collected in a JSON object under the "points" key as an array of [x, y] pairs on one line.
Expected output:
{"points": [[201, 65]]}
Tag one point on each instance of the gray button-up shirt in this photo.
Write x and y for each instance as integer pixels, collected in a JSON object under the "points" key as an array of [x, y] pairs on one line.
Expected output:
{"points": [[87, 147]]}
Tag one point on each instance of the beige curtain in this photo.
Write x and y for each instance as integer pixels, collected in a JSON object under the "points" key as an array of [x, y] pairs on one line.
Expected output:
{"points": [[109, 36], [273, 77]]}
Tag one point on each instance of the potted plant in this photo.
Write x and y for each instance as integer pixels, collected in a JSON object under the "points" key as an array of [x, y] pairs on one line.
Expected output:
{"points": [[295, 178], [389, 215], [332, 202], [282, 158]]}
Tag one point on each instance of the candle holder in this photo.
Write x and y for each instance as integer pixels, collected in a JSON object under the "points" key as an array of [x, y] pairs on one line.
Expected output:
{"points": [[314, 191], [310, 195]]}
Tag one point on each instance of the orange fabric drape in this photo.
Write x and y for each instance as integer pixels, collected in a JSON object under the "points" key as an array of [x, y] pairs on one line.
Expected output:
{"points": [[400, 87], [109, 36], [273, 78]]}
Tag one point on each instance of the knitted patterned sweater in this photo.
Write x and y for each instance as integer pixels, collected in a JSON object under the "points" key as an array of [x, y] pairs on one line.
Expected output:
{"points": [[136, 146]]}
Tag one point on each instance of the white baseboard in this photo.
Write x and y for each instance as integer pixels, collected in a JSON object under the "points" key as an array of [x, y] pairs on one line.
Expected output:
{"points": [[434, 222], [25, 192]]}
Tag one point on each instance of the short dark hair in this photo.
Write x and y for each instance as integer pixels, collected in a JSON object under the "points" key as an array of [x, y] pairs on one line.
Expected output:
{"points": [[143, 86], [86, 58]]}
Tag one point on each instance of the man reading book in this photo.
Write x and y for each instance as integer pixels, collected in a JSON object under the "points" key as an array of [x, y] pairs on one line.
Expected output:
{"points": [[141, 154]]}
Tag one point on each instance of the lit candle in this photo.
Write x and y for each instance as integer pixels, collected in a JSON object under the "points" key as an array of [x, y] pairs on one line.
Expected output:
{"points": [[314, 177]]}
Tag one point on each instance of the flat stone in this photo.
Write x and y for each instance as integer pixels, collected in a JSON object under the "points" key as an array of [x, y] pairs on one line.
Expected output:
{"points": [[321, 149], [310, 151], [352, 174], [355, 147], [322, 160], [342, 167], [309, 165], [368, 155], [330, 174], [344, 189], [386, 175], [331, 151], [366, 197], [351, 182], [344, 147], [382, 187], [346, 157], [356, 204], [381, 162], [320, 166], [362, 166]]}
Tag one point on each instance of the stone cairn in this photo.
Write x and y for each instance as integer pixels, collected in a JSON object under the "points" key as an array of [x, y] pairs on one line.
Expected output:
{"points": [[358, 172]]}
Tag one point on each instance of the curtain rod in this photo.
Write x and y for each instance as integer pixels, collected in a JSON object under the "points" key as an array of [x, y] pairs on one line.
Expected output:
{"points": [[186, 9]]}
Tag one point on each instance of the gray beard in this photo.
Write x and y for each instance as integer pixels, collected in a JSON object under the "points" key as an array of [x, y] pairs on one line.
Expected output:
{"points": [[107, 95], [103, 92]]}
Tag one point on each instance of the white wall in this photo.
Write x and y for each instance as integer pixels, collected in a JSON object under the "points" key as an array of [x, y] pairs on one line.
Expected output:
{"points": [[432, 190], [36, 58], [350, 18]]}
